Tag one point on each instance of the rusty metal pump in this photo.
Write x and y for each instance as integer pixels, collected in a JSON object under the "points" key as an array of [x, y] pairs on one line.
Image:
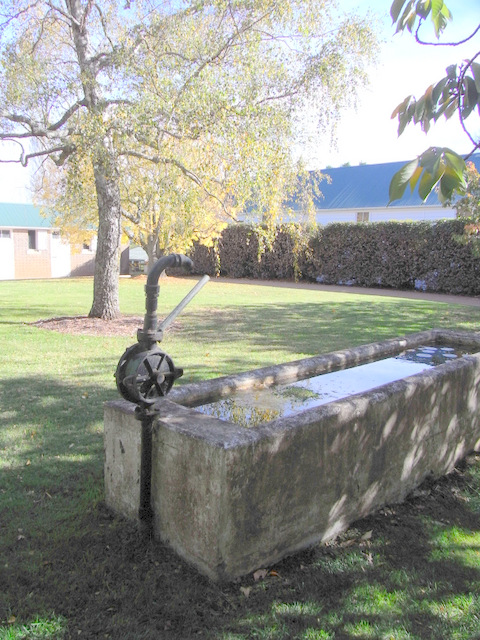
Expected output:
{"points": [[145, 372]]}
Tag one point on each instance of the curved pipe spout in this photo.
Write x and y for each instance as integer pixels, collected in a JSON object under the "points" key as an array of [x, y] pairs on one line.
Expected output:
{"points": [[172, 260], [149, 335]]}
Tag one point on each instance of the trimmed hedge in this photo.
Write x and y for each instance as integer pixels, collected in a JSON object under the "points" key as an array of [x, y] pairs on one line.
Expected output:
{"points": [[414, 255]]}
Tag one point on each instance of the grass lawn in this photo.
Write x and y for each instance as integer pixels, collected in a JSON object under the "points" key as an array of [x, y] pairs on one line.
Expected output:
{"points": [[69, 569]]}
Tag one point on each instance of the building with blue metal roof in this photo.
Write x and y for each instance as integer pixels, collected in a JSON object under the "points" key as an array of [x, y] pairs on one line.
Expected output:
{"points": [[361, 194]]}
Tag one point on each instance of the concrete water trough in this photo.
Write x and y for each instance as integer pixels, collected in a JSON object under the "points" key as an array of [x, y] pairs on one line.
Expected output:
{"points": [[231, 499]]}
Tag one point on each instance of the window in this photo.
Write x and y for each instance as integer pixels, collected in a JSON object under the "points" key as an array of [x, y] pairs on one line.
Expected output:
{"points": [[37, 240], [89, 245], [363, 216], [32, 240], [4, 233]]}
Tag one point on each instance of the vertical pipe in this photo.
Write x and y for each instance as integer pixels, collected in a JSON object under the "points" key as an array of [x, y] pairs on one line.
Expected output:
{"points": [[148, 337], [145, 511]]}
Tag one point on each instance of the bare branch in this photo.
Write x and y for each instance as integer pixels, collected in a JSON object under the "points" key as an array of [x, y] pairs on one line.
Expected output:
{"points": [[135, 218], [40, 34], [158, 160], [22, 151], [88, 9], [104, 25], [64, 152], [37, 130], [15, 16], [68, 16], [280, 96], [443, 44], [67, 115]]}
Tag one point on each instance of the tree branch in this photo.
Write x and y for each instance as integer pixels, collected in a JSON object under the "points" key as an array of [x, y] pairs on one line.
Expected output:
{"points": [[67, 115], [186, 172], [64, 152], [215, 56], [36, 130], [443, 44], [68, 16]]}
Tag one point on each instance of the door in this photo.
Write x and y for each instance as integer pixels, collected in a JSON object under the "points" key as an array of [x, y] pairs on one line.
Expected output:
{"points": [[60, 255]]}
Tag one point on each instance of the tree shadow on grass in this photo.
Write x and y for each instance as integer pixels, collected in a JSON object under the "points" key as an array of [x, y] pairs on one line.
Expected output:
{"points": [[50, 445], [64, 555], [282, 331], [15, 315], [379, 580], [106, 580]]}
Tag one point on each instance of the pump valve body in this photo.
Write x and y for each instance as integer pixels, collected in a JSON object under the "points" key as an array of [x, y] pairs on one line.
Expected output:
{"points": [[144, 376]]}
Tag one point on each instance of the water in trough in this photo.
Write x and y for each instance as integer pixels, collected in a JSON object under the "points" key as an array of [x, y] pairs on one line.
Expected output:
{"points": [[263, 405]]}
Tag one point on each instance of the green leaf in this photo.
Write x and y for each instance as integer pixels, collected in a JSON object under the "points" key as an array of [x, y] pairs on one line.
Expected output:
{"points": [[440, 16], [475, 67], [470, 96], [452, 72], [419, 110], [436, 167], [451, 108], [405, 112], [406, 17], [395, 9], [430, 159], [438, 89], [455, 163], [414, 179], [450, 183], [428, 183], [402, 106], [401, 179], [423, 8], [411, 21]]}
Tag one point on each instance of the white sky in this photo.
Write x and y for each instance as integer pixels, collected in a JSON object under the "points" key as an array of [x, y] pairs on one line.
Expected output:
{"points": [[405, 68], [368, 134]]}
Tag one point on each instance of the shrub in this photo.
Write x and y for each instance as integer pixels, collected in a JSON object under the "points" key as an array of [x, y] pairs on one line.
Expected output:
{"points": [[401, 255]]}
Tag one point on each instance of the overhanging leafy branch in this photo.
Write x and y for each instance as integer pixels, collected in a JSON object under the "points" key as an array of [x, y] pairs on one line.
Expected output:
{"points": [[457, 93]]}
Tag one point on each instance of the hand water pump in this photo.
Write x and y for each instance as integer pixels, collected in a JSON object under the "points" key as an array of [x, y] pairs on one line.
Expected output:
{"points": [[145, 373]]}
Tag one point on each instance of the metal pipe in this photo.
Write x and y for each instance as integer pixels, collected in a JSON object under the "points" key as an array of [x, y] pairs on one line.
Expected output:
{"points": [[172, 260], [181, 305], [145, 510], [149, 335]]}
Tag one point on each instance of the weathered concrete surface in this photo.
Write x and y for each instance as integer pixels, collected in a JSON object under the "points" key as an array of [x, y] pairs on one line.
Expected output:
{"points": [[230, 500], [122, 459]]}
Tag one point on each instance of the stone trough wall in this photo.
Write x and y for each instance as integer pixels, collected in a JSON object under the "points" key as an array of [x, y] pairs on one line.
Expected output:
{"points": [[230, 500]]}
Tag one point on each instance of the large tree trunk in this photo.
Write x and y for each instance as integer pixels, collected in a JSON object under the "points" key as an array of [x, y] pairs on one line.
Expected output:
{"points": [[107, 261]]}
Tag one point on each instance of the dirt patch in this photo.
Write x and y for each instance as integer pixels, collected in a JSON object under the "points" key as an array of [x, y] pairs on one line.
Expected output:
{"points": [[83, 325]]}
